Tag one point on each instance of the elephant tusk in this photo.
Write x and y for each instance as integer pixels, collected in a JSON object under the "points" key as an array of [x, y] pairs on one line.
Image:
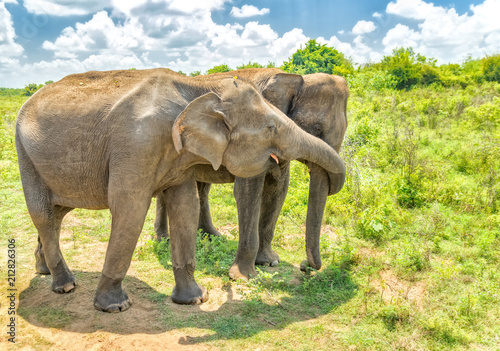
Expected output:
{"points": [[273, 156]]}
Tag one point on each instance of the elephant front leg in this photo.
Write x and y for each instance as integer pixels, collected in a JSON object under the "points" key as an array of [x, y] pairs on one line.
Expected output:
{"points": [[273, 197], [128, 214], [182, 217], [247, 192], [161, 221]]}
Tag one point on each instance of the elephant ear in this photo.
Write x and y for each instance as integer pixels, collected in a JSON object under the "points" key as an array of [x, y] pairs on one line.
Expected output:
{"points": [[281, 89], [201, 129]]}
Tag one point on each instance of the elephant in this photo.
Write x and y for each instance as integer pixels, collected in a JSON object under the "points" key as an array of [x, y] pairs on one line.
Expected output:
{"points": [[115, 139], [317, 103]]}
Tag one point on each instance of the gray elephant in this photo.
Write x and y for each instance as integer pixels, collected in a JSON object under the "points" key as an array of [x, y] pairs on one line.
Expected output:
{"points": [[115, 139], [316, 103]]}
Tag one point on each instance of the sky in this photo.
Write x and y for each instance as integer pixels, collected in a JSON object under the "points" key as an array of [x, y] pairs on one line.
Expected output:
{"points": [[43, 40]]}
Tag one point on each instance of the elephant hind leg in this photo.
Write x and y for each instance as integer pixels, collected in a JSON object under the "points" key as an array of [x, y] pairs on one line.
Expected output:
{"points": [[49, 258], [40, 264], [47, 219], [205, 220], [161, 220]]}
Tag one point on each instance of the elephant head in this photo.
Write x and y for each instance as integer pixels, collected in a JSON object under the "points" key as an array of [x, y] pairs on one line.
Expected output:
{"points": [[317, 103], [236, 127]]}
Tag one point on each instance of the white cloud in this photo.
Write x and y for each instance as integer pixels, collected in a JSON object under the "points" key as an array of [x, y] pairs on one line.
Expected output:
{"points": [[285, 46], [64, 7], [415, 9], [100, 33], [401, 36], [358, 50], [444, 34], [248, 11], [190, 6], [377, 15], [363, 27], [8, 46]]}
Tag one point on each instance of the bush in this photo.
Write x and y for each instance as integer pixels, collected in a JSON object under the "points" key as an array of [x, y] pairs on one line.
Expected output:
{"points": [[315, 58], [491, 68], [219, 69], [31, 88]]}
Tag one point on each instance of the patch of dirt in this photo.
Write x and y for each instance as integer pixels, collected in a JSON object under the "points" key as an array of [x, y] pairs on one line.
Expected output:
{"points": [[70, 322], [391, 288]]}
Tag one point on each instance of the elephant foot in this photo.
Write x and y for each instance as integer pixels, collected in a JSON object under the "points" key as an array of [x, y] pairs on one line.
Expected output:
{"points": [[267, 257], [305, 266], [40, 263], [161, 236], [240, 271], [110, 296], [186, 290], [194, 294], [66, 288], [209, 231], [41, 266], [63, 280]]}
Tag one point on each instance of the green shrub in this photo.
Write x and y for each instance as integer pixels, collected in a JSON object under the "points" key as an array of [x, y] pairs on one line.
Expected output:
{"points": [[491, 68], [315, 57]]}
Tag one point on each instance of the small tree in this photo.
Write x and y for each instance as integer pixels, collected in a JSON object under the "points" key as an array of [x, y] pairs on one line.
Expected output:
{"points": [[219, 69], [250, 65], [403, 65], [195, 73], [31, 88], [491, 68], [315, 57]]}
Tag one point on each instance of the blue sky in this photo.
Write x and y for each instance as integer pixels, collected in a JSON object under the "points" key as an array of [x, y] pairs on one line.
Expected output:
{"points": [[44, 40]]}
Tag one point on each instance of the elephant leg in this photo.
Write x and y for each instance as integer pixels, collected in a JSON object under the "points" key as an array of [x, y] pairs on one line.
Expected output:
{"points": [[128, 211], [183, 225], [273, 197], [49, 258], [47, 219], [161, 221], [318, 192], [40, 262], [247, 192], [205, 221]]}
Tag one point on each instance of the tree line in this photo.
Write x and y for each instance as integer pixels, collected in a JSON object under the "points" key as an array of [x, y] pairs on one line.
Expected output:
{"points": [[402, 70]]}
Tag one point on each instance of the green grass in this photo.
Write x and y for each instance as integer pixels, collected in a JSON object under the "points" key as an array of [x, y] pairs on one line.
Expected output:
{"points": [[410, 249]]}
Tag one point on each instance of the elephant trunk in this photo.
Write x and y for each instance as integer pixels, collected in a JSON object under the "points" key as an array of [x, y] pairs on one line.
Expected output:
{"points": [[314, 150], [327, 177]]}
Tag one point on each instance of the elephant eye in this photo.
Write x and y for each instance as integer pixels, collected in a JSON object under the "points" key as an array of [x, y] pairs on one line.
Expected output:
{"points": [[272, 129]]}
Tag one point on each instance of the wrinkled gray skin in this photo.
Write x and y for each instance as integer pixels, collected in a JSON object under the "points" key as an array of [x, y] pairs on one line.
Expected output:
{"points": [[115, 139], [317, 103]]}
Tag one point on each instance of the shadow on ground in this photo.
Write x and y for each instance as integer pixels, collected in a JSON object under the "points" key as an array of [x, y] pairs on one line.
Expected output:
{"points": [[233, 311]]}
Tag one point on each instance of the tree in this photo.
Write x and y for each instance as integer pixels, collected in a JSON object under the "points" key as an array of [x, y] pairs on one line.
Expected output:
{"points": [[405, 66], [195, 73], [317, 57], [31, 88], [256, 65], [491, 68], [250, 65], [219, 69]]}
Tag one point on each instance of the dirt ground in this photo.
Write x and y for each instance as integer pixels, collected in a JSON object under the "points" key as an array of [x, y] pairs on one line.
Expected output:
{"points": [[49, 321]]}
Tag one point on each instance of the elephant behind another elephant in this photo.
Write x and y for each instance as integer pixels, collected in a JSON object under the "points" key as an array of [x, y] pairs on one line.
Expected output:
{"points": [[115, 139], [317, 103]]}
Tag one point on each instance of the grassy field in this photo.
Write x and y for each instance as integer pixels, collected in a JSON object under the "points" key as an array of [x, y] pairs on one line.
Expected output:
{"points": [[410, 248]]}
